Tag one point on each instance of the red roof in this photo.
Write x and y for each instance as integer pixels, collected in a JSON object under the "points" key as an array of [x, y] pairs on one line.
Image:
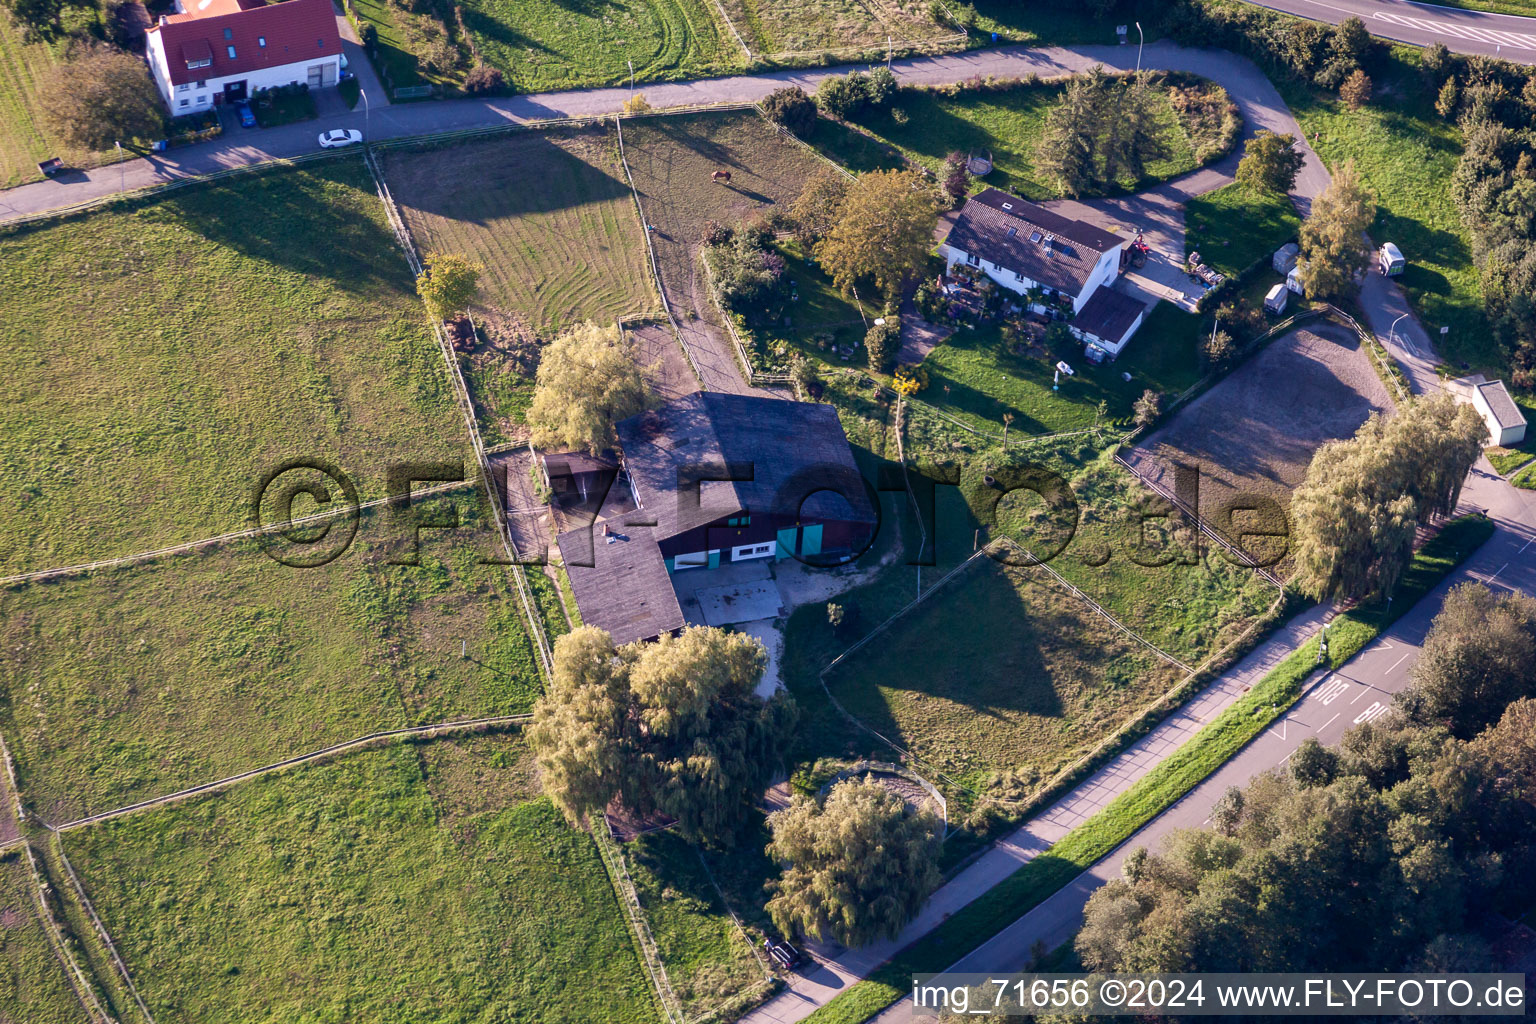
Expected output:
{"points": [[269, 36]]}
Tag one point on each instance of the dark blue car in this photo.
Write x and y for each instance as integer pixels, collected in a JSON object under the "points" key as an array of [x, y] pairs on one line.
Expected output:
{"points": [[247, 117]]}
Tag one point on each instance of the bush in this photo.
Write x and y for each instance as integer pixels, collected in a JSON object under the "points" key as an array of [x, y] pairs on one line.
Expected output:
{"points": [[747, 274], [880, 86], [843, 97], [368, 34], [483, 80], [1149, 407], [883, 342], [792, 108]]}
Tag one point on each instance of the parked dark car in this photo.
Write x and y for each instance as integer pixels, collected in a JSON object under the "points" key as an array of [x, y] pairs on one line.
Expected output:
{"points": [[783, 954], [247, 116]]}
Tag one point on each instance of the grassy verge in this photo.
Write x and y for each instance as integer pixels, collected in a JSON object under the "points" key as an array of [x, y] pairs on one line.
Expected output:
{"points": [[1235, 227], [381, 887], [1155, 791], [163, 356], [1526, 478], [1407, 153]]}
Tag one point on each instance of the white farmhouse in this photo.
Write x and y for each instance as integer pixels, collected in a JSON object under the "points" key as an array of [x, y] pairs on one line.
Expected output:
{"points": [[211, 52], [1021, 246]]}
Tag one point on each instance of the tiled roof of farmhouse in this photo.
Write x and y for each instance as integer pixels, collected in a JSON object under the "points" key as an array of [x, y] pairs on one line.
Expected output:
{"points": [[1019, 235]]}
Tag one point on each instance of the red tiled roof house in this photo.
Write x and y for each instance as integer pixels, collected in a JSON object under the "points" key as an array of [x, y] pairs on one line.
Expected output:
{"points": [[221, 51]]}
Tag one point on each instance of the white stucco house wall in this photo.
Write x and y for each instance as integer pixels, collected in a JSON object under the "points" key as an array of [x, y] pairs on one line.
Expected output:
{"points": [[1506, 423], [1021, 246], [211, 52]]}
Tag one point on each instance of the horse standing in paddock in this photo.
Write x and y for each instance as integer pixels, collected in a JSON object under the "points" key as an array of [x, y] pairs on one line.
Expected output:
{"points": [[724, 176]]}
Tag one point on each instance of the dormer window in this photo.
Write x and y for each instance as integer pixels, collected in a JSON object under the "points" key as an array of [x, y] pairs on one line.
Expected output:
{"points": [[205, 62]]}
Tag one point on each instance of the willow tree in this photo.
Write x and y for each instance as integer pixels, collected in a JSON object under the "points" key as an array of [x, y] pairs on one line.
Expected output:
{"points": [[859, 864], [589, 379]]}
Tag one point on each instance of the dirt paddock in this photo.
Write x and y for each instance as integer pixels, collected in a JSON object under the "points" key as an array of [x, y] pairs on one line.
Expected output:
{"points": [[1254, 433]]}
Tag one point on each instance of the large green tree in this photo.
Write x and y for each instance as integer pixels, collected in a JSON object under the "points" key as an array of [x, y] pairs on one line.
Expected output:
{"points": [[859, 864], [1355, 515], [1479, 657], [674, 727], [104, 96], [588, 379], [883, 232], [1068, 150], [1270, 163], [1333, 244], [449, 284]]}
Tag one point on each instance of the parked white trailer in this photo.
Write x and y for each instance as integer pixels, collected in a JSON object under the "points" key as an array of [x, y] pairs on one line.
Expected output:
{"points": [[1293, 282], [1275, 299]]}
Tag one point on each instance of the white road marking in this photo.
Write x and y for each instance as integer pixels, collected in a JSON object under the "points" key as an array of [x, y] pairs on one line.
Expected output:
{"points": [[1514, 40], [1334, 690], [1328, 723], [1526, 545], [1370, 714], [1396, 663]]}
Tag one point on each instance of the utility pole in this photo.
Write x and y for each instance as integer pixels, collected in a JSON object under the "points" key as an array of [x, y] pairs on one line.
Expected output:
{"points": [[631, 77]]}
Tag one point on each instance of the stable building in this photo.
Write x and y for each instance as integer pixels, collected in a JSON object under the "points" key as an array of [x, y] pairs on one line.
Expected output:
{"points": [[1022, 246], [704, 481], [211, 52]]}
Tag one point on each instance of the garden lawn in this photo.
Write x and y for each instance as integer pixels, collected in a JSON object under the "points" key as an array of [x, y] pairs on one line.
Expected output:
{"points": [[817, 321], [706, 956], [136, 682], [999, 674], [34, 988], [351, 890], [926, 125], [545, 45], [1235, 227], [162, 357], [1407, 153], [987, 378], [392, 55]]}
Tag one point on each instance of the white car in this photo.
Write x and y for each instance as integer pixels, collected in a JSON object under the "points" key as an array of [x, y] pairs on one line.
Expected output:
{"points": [[338, 137]]}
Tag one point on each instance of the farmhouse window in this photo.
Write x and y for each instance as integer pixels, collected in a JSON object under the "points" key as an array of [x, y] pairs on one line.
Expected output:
{"points": [[261, 41], [183, 87], [229, 33], [203, 63], [183, 103], [753, 551], [231, 50], [974, 261]]}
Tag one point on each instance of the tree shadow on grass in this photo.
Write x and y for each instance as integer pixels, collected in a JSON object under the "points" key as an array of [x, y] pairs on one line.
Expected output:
{"points": [[291, 220]]}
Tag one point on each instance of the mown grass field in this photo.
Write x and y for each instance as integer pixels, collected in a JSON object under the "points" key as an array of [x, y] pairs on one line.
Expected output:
{"points": [[707, 957], [33, 986], [389, 885], [771, 27], [926, 125], [570, 249], [999, 673], [544, 45], [672, 158], [162, 358], [1406, 153], [1234, 227], [137, 682]]}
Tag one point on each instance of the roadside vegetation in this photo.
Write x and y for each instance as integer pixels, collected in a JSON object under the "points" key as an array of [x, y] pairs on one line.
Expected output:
{"points": [[376, 883], [169, 354], [1007, 121]]}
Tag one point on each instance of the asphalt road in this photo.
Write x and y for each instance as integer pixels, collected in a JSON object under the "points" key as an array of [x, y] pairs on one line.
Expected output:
{"points": [[1498, 35]]}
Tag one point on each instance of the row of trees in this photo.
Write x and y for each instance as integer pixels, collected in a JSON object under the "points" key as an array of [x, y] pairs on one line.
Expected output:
{"points": [[1494, 188], [1301, 50], [1105, 127], [1382, 855], [1354, 517]]}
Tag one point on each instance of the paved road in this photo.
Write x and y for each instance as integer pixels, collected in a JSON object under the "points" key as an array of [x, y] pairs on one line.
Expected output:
{"points": [[1499, 35]]}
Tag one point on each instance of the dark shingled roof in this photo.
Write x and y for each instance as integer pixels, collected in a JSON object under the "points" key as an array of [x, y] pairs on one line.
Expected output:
{"points": [[627, 590], [1504, 408], [983, 227], [1108, 314], [790, 450]]}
